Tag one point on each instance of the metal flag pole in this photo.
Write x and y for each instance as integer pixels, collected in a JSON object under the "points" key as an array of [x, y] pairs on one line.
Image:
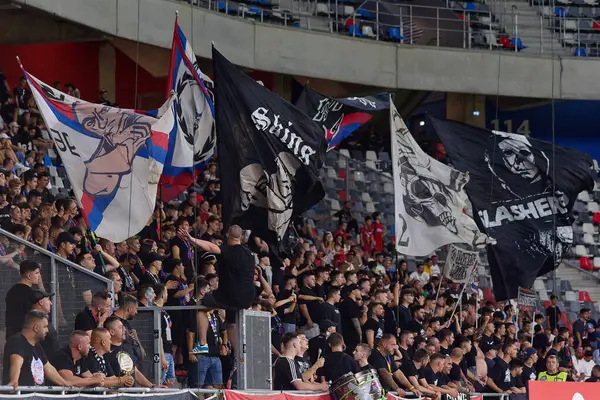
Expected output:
{"points": [[467, 283]]}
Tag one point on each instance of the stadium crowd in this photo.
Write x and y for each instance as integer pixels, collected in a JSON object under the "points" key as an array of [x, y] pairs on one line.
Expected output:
{"points": [[341, 303]]}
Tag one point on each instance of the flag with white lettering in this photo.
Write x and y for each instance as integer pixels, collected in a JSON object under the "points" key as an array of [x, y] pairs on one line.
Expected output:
{"points": [[340, 117], [270, 154], [113, 158], [429, 197], [527, 303], [522, 191], [460, 264]]}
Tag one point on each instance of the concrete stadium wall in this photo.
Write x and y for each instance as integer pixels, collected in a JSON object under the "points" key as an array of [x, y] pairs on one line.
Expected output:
{"points": [[335, 57]]}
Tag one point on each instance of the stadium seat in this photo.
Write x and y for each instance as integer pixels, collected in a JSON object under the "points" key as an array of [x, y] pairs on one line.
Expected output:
{"points": [[322, 9], [371, 164], [366, 197], [571, 296], [394, 34], [335, 205], [580, 52], [588, 238], [581, 251], [359, 207], [517, 43], [470, 6], [347, 11], [596, 262], [359, 176], [560, 12], [592, 207], [388, 187], [367, 31], [596, 218], [365, 14], [345, 153], [383, 156], [488, 295], [341, 163], [342, 195], [331, 173], [341, 174], [547, 304], [585, 263], [588, 228], [371, 156], [370, 208], [584, 296]]}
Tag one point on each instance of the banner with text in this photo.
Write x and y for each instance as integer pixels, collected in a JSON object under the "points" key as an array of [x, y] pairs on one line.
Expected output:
{"points": [[526, 303], [460, 264]]}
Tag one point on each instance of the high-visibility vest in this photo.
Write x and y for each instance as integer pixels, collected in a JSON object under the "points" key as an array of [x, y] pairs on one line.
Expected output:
{"points": [[560, 377]]}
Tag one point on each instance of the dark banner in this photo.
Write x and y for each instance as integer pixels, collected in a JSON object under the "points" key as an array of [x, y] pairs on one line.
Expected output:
{"points": [[269, 153], [342, 116], [522, 191]]}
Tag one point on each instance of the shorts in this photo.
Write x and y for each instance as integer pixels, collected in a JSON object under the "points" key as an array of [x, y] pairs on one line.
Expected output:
{"points": [[169, 373], [211, 303], [210, 371]]}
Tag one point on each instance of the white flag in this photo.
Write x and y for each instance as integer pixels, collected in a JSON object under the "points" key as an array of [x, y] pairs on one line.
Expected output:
{"points": [[429, 205], [460, 264], [113, 157]]}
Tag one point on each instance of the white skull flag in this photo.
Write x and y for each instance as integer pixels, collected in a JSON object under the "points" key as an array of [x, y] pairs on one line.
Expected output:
{"points": [[522, 191], [428, 198], [269, 152]]}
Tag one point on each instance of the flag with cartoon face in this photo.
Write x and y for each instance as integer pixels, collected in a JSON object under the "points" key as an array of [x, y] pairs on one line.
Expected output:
{"points": [[522, 191]]}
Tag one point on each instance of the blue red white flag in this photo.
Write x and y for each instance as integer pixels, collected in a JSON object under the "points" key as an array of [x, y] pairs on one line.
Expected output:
{"points": [[192, 142], [113, 157], [341, 117]]}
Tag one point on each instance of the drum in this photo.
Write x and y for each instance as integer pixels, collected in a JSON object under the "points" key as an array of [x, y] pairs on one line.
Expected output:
{"points": [[362, 386]]}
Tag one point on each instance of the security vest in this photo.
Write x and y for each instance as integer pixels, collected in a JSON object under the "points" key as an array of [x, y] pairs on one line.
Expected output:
{"points": [[560, 377]]}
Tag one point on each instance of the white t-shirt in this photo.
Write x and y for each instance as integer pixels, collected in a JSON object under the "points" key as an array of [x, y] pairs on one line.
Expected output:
{"points": [[435, 270], [585, 367], [423, 277]]}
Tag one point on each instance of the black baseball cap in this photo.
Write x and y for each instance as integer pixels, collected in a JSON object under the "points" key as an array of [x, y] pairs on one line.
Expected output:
{"points": [[39, 294], [326, 324], [66, 237], [155, 257]]}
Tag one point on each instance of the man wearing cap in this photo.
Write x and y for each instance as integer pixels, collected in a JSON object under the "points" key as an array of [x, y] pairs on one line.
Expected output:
{"points": [[65, 246], [42, 301], [529, 357]]}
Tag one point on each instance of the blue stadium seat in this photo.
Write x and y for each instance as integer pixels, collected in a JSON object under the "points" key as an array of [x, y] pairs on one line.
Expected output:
{"points": [[266, 3], [516, 42], [366, 14], [353, 30], [560, 12], [470, 6], [395, 34], [580, 52]]}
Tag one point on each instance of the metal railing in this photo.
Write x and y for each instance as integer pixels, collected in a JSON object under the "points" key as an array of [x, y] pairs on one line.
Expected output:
{"points": [[72, 284], [485, 25]]}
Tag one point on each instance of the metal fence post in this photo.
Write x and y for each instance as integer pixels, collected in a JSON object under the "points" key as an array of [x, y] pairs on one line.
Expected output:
{"points": [[347, 180], [401, 26], [54, 289], [437, 26], [377, 20], [541, 34], [491, 32], [515, 28], [157, 341], [411, 23]]}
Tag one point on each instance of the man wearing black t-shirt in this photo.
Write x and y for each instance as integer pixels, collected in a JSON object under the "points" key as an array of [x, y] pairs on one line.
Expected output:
{"points": [[69, 363], [418, 318], [329, 308], [446, 337], [382, 359], [407, 297], [287, 310], [286, 372], [309, 303], [375, 325], [361, 356], [97, 362], [337, 363], [317, 346], [411, 368], [236, 283], [488, 331], [529, 357], [207, 369], [350, 313], [94, 315], [431, 376], [19, 298], [25, 363], [499, 379]]}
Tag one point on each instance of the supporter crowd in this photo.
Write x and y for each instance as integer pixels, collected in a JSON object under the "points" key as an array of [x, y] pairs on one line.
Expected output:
{"points": [[341, 303]]}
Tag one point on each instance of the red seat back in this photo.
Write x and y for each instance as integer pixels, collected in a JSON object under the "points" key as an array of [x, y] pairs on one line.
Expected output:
{"points": [[342, 174], [596, 218], [488, 295], [584, 296], [342, 195]]}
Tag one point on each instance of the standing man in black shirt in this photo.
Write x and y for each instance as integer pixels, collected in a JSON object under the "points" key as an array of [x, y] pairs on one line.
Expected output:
{"points": [[69, 362], [529, 357], [407, 296], [317, 346], [19, 298], [166, 345], [286, 372], [351, 313], [235, 265], [93, 316], [329, 308], [337, 363], [42, 302], [553, 313], [374, 326], [310, 305], [25, 363], [287, 309]]}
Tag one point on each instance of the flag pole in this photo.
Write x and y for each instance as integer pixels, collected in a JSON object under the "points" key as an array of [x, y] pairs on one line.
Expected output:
{"points": [[437, 293], [471, 275]]}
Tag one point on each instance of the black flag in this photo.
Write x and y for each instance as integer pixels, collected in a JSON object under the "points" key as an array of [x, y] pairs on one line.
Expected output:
{"points": [[522, 191], [341, 117], [269, 153]]}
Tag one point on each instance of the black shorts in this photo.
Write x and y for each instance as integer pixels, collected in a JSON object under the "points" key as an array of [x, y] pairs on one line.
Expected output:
{"points": [[210, 302]]}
